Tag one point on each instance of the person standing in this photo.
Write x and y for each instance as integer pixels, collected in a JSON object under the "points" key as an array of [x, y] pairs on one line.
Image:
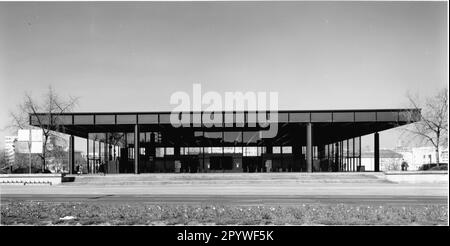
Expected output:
{"points": [[404, 165]]}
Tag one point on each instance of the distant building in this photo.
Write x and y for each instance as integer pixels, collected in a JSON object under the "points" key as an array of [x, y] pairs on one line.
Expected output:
{"points": [[9, 149], [61, 164], [18, 154], [418, 156], [389, 160]]}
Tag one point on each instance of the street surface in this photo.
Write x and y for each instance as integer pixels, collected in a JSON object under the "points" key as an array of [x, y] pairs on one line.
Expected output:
{"points": [[229, 193]]}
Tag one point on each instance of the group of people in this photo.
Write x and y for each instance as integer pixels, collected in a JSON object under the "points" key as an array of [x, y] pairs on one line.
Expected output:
{"points": [[100, 168]]}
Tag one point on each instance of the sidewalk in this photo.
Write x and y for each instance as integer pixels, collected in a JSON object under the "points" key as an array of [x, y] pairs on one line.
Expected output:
{"points": [[293, 189]]}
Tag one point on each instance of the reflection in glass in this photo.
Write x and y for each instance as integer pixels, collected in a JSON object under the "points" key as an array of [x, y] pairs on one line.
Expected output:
{"points": [[159, 152], [250, 151], [214, 135], [228, 150], [232, 137], [251, 137], [194, 150], [287, 149], [276, 150], [170, 151], [216, 150]]}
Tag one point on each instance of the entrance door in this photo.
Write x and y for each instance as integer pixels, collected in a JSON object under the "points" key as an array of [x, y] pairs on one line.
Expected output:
{"points": [[252, 164], [222, 163], [190, 164]]}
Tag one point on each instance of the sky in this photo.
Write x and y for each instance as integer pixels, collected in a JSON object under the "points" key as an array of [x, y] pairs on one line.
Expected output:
{"points": [[133, 56]]}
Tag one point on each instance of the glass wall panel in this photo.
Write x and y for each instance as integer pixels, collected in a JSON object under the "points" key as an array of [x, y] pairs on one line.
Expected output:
{"points": [[232, 137], [251, 137], [170, 151], [276, 150], [213, 135], [228, 150], [262, 150], [194, 150], [119, 153], [216, 150], [357, 146], [350, 144], [159, 152], [287, 149], [344, 145], [239, 119], [148, 137], [130, 138], [315, 153], [250, 151]]}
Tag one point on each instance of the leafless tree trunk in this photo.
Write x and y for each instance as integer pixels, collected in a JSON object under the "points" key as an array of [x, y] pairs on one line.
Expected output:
{"points": [[432, 126], [45, 114]]}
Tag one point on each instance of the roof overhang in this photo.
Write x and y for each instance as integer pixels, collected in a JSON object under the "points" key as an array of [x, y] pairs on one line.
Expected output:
{"points": [[328, 125]]}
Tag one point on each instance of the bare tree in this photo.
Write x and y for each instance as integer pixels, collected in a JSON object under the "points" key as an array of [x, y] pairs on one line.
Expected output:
{"points": [[3, 162], [432, 126], [44, 114]]}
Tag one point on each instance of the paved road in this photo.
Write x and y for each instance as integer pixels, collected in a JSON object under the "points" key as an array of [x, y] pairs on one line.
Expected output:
{"points": [[283, 200], [263, 193], [310, 189]]}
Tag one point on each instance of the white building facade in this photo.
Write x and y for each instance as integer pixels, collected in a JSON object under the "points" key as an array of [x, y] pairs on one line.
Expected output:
{"points": [[418, 156], [9, 149]]}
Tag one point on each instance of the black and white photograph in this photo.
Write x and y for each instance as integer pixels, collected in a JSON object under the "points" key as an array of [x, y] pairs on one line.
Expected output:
{"points": [[192, 115]]}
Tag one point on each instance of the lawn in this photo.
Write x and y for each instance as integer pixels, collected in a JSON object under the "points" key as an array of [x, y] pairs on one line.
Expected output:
{"points": [[73, 213]]}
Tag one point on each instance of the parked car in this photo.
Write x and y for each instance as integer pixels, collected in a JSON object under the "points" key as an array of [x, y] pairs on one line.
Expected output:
{"points": [[440, 167], [434, 166], [33, 170], [4, 170]]}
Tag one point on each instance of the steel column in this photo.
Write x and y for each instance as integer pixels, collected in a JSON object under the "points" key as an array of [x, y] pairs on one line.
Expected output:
{"points": [[87, 154], [309, 157], [377, 152], [71, 154], [136, 149]]}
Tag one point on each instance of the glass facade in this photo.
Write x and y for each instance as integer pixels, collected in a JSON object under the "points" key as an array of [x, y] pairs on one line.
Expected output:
{"points": [[162, 150], [202, 151], [148, 143]]}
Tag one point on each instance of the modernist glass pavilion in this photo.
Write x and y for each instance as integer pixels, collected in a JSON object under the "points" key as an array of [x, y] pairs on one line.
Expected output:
{"points": [[146, 142]]}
